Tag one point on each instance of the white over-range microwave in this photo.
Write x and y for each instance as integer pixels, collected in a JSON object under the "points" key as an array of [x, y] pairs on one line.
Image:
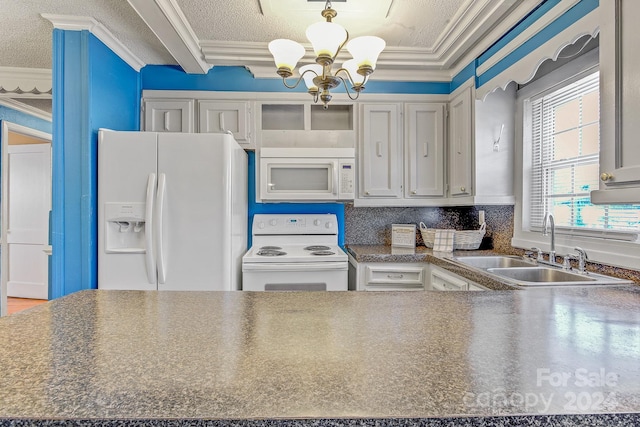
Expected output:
{"points": [[311, 174]]}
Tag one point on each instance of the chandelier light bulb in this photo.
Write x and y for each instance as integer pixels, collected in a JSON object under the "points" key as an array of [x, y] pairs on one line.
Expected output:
{"points": [[286, 53], [352, 67], [326, 38], [315, 71], [365, 50]]}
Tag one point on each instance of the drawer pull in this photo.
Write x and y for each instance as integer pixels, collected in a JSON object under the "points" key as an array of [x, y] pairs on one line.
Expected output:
{"points": [[395, 276]]}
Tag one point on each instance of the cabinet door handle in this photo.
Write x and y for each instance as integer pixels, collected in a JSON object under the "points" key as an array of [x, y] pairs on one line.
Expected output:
{"points": [[166, 120], [606, 176], [379, 149], [222, 128], [395, 276], [425, 149]]}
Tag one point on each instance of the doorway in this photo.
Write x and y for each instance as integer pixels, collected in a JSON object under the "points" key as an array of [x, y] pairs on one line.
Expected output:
{"points": [[26, 203]]}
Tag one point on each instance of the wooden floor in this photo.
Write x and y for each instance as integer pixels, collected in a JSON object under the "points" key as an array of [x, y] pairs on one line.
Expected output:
{"points": [[15, 305]]}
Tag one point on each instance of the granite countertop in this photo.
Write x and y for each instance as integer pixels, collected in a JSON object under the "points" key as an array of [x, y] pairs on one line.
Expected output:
{"points": [[541, 357], [385, 253]]}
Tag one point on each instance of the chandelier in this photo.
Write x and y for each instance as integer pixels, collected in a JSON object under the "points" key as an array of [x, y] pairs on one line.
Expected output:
{"points": [[328, 39]]}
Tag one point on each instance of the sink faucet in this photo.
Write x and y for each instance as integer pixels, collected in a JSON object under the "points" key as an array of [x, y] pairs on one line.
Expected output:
{"points": [[582, 258], [549, 223]]}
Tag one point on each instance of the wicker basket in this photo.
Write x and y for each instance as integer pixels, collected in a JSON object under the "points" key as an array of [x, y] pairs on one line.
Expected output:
{"points": [[467, 239]]}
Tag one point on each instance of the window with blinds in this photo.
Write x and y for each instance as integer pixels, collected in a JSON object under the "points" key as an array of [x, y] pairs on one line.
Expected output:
{"points": [[565, 144]]}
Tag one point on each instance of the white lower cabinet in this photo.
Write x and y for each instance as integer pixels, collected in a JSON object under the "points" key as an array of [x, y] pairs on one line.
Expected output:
{"points": [[393, 276], [383, 276], [443, 280]]}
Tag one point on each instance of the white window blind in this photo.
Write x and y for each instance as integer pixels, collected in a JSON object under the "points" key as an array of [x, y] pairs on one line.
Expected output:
{"points": [[565, 162]]}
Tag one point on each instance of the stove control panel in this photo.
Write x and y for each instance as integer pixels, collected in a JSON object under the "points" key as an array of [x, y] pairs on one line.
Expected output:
{"points": [[295, 224]]}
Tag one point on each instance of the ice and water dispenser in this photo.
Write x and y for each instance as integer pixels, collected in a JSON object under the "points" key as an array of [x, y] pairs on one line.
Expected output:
{"points": [[125, 228]]}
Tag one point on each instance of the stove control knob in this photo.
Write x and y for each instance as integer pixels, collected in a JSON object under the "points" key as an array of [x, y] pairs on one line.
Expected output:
{"points": [[273, 222], [261, 225], [316, 222], [328, 225]]}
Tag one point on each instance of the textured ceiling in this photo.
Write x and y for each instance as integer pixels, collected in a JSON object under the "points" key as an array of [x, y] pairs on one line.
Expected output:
{"points": [[410, 23], [27, 37]]}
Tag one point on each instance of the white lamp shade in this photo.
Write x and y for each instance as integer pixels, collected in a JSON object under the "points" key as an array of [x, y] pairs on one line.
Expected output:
{"points": [[352, 67], [286, 53], [326, 37], [366, 49], [316, 70]]}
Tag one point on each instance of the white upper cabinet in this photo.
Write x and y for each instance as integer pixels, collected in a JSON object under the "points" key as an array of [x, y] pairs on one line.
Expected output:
{"points": [[226, 116], [380, 152], [303, 124], [424, 150], [461, 143], [619, 103], [168, 115], [402, 162], [481, 147]]}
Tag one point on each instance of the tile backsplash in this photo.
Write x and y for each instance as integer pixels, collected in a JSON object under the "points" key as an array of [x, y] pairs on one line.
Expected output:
{"points": [[372, 226]]}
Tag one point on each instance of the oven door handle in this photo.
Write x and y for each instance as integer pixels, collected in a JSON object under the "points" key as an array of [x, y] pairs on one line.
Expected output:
{"points": [[317, 266]]}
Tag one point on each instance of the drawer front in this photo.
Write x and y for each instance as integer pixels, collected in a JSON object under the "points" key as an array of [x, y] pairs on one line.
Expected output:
{"points": [[444, 282], [395, 276]]}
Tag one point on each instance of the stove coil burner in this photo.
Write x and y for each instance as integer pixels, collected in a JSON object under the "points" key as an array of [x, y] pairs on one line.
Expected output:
{"points": [[270, 248], [322, 253], [317, 248], [270, 252]]}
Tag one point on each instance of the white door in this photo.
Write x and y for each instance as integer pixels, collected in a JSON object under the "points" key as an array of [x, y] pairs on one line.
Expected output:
{"points": [[29, 202]]}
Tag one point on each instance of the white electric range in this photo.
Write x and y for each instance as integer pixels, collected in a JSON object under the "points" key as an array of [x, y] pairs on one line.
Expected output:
{"points": [[297, 252]]}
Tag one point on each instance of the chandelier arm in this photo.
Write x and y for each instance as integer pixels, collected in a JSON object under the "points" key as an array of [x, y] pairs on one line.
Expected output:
{"points": [[349, 77], [341, 46], [346, 88], [295, 85]]}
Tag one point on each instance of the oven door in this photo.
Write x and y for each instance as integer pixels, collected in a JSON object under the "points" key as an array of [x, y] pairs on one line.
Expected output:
{"points": [[299, 179], [325, 276]]}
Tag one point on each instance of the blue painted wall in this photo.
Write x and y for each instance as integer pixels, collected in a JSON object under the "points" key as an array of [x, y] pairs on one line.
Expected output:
{"points": [[24, 119], [92, 88], [239, 79]]}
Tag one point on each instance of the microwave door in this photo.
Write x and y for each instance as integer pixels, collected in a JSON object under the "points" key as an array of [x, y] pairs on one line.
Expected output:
{"points": [[299, 179]]}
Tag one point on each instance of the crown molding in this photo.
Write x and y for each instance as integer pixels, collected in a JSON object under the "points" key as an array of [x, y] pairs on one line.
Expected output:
{"points": [[80, 23], [526, 68], [529, 32], [34, 81], [24, 108], [464, 34], [170, 25]]}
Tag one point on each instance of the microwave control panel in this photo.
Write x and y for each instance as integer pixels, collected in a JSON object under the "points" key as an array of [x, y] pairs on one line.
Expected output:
{"points": [[347, 178]]}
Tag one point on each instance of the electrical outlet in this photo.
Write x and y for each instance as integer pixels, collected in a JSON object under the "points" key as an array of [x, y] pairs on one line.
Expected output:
{"points": [[480, 217]]}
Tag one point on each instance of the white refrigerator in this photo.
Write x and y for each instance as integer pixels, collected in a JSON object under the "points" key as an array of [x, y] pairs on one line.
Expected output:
{"points": [[172, 211]]}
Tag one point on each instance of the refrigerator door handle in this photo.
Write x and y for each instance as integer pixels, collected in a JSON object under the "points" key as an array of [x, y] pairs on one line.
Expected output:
{"points": [[162, 189], [149, 257]]}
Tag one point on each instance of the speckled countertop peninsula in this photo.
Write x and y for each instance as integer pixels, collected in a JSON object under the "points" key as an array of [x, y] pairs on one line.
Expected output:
{"points": [[506, 358]]}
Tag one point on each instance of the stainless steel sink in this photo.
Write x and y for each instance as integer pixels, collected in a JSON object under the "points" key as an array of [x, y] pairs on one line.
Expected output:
{"points": [[526, 273], [545, 276], [540, 274], [493, 261]]}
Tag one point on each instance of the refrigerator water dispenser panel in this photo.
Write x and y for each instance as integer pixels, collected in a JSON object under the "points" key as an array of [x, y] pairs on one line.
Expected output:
{"points": [[125, 228]]}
